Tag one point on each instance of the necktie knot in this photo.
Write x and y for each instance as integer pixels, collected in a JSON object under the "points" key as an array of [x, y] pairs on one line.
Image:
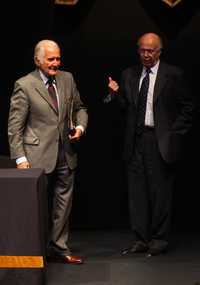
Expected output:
{"points": [[50, 80], [148, 71]]}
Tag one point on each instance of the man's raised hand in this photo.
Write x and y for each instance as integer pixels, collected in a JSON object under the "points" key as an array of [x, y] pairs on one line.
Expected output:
{"points": [[113, 86]]}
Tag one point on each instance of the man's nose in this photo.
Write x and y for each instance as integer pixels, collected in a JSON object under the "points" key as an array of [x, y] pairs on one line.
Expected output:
{"points": [[56, 61], [146, 53]]}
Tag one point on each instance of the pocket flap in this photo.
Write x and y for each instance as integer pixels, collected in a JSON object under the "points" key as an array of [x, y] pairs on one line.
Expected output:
{"points": [[31, 140]]}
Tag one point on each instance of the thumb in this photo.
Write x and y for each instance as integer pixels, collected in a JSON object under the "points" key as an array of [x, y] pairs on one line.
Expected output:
{"points": [[110, 78]]}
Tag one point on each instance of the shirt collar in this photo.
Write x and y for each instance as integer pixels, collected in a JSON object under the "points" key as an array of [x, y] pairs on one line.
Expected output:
{"points": [[154, 68], [45, 78]]}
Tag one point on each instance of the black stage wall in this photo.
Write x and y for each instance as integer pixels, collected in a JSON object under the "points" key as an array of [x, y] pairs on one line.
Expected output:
{"points": [[98, 39]]}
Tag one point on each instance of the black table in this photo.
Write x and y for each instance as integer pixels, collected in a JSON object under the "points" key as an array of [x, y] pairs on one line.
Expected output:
{"points": [[23, 226]]}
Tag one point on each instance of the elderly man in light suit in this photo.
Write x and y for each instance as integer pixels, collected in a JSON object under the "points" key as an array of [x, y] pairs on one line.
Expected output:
{"points": [[42, 134]]}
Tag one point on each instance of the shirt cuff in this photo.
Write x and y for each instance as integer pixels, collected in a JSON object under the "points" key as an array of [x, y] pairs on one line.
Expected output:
{"points": [[80, 127], [21, 159]]}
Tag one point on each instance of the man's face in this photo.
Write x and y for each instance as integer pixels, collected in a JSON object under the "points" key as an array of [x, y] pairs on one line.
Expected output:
{"points": [[149, 50], [51, 61]]}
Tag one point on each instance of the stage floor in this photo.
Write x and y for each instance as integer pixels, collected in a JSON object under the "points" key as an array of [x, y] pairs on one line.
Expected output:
{"points": [[104, 265]]}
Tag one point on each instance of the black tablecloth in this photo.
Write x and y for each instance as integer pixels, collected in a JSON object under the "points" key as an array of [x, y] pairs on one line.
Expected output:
{"points": [[23, 224]]}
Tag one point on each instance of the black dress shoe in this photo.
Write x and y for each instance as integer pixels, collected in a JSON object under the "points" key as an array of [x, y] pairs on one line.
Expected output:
{"points": [[155, 252], [157, 247], [137, 247]]}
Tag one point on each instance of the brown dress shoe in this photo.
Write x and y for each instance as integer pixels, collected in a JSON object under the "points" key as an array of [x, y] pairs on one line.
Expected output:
{"points": [[68, 259], [71, 259]]}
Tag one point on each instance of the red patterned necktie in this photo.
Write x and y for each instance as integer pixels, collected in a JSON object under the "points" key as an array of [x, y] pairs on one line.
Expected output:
{"points": [[52, 93]]}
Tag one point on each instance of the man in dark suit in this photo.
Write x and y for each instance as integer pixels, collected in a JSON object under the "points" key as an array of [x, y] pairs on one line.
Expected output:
{"points": [[158, 114], [46, 117]]}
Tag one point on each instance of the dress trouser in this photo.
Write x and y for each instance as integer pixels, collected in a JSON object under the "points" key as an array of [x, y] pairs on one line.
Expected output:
{"points": [[150, 185], [60, 192]]}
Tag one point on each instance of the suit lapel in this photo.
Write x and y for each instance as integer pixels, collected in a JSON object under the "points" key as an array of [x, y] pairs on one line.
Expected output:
{"points": [[135, 79], [160, 81], [65, 96], [61, 94], [42, 90]]}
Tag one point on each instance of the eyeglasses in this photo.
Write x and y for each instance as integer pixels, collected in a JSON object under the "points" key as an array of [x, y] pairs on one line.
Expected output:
{"points": [[149, 51]]}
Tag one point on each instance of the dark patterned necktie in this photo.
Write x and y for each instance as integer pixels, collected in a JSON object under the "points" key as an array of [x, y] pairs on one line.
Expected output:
{"points": [[142, 102], [52, 93]]}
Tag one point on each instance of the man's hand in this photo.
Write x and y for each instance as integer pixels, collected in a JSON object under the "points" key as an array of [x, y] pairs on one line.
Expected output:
{"points": [[23, 165], [113, 86], [76, 134]]}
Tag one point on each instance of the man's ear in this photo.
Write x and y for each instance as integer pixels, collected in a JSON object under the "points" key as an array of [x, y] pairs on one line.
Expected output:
{"points": [[37, 62]]}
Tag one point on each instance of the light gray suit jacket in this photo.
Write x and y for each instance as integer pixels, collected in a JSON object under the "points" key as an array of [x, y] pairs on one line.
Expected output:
{"points": [[34, 126]]}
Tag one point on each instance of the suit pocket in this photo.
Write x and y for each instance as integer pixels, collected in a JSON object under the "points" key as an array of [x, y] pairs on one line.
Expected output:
{"points": [[31, 140]]}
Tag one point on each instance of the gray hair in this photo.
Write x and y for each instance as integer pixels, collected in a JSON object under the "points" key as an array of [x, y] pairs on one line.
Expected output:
{"points": [[39, 51]]}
